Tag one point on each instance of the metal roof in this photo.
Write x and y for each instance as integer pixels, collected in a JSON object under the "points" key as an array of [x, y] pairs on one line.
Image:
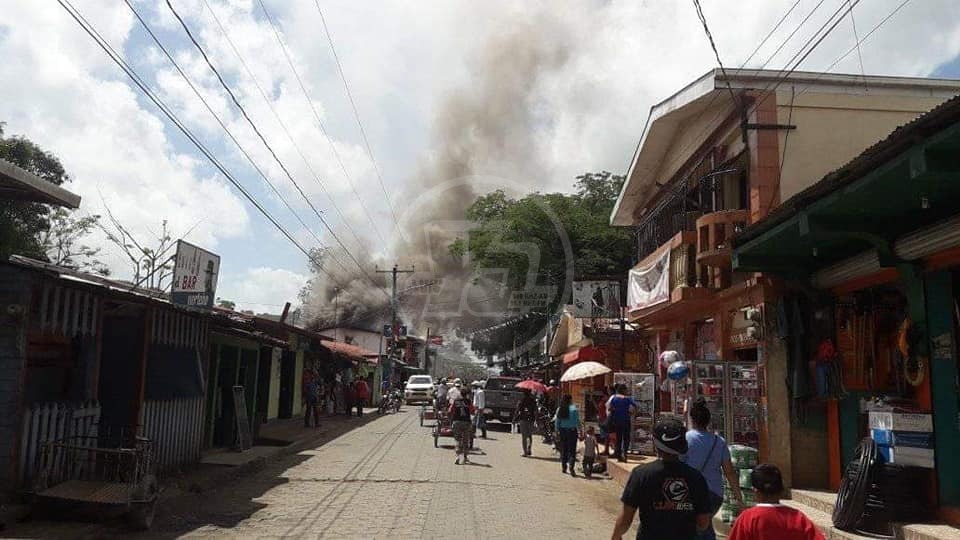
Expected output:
{"points": [[710, 93], [21, 185]]}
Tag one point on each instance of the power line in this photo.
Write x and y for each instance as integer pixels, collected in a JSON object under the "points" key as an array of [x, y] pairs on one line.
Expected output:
{"points": [[856, 38], [356, 116], [139, 82], [280, 121], [223, 126], [236, 102], [857, 45], [716, 54], [714, 97], [316, 116]]}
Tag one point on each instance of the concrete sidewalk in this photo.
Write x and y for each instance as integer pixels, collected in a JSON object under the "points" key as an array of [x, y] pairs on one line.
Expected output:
{"points": [[278, 438]]}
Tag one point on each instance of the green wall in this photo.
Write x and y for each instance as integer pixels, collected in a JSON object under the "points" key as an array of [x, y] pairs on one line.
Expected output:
{"points": [[943, 381]]}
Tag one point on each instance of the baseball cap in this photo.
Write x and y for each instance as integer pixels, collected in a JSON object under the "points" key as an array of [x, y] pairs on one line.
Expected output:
{"points": [[669, 436]]}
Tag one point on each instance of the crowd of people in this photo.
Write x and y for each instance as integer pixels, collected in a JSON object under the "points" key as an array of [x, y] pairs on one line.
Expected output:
{"points": [[331, 395]]}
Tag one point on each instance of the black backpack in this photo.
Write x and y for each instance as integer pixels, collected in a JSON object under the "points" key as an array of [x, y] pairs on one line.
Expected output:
{"points": [[461, 410]]}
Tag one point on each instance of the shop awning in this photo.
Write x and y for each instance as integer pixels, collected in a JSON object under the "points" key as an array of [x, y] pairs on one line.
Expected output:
{"points": [[584, 353], [907, 181], [350, 352]]}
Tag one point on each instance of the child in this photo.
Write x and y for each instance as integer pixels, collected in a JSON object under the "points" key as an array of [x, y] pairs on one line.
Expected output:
{"points": [[769, 518], [589, 451]]}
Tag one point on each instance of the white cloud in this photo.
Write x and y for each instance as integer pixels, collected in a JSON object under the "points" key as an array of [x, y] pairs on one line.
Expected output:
{"points": [[402, 60], [61, 91], [262, 289]]}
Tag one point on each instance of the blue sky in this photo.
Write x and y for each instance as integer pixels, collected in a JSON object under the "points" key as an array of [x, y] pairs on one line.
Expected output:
{"points": [[404, 63]]}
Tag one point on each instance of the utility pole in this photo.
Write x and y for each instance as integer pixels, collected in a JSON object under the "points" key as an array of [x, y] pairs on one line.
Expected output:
{"points": [[394, 330], [336, 312], [426, 352]]}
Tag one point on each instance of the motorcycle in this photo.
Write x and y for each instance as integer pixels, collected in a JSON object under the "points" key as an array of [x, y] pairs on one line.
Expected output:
{"points": [[544, 424], [391, 402]]}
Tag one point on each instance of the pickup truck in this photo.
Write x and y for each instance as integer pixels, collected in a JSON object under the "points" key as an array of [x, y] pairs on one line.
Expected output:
{"points": [[501, 398]]}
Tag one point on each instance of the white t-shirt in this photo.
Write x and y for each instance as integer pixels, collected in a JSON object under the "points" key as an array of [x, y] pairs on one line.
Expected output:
{"points": [[479, 399], [453, 394]]}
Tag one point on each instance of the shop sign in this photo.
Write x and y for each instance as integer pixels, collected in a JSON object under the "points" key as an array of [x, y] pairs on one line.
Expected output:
{"points": [[195, 272], [650, 285]]}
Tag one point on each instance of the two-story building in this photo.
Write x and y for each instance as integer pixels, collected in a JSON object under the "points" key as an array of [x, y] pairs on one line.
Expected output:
{"points": [[714, 158]]}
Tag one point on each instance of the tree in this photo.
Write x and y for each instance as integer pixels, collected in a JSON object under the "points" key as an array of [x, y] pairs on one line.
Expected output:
{"points": [[521, 236], [61, 242], [223, 303], [22, 223]]}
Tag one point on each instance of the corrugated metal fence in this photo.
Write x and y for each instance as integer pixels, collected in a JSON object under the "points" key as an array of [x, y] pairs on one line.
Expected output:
{"points": [[51, 421], [176, 428]]}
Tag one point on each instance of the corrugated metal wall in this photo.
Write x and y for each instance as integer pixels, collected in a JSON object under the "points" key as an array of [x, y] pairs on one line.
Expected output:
{"points": [[176, 428], [46, 422]]}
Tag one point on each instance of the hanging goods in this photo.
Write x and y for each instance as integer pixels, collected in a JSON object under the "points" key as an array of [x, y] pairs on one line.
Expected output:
{"points": [[914, 365]]}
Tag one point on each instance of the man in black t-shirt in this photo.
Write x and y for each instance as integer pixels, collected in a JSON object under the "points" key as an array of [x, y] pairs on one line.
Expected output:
{"points": [[670, 496]]}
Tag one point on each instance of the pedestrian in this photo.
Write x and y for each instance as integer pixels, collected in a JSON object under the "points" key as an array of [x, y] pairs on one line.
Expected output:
{"points": [[769, 518], [620, 411], [524, 416], [338, 397], [589, 451], [479, 403], [460, 413], [361, 391], [567, 422], [603, 436], [670, 496], [708, 453], [442, 394], [311, 399]]}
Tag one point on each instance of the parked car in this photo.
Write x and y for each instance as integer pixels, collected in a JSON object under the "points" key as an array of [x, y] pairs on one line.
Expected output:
{"points": [[419, 389], [501, 398]]}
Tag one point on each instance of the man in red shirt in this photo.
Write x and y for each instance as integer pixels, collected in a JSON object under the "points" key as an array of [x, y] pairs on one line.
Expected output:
{"points": [[769, 518], [361, 392]]}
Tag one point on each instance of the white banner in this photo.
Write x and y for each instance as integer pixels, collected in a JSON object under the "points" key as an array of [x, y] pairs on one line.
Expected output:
{"points": [[651, 285]]}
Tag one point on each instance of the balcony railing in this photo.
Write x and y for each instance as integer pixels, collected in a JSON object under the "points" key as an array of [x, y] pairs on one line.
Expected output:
{"points": [[679, 209]]}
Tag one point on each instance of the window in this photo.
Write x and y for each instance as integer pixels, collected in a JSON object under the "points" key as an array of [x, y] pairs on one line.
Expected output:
{"points": [[420, 380]]}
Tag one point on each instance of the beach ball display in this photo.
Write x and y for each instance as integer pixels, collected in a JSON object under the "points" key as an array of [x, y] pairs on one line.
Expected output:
{"points": [[678, 370]]}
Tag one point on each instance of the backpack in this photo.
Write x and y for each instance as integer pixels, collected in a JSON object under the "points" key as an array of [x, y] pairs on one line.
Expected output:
{"points": [[461, 411]]}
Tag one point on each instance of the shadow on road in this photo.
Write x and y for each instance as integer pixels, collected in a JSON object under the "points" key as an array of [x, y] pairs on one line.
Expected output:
{"points": [[224, 506]]}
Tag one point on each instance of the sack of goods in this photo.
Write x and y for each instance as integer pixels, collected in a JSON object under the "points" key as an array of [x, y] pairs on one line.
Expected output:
{"points": [[744, 459]]}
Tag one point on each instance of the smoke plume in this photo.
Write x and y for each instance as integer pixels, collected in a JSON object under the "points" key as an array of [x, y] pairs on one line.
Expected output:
{"points": [[484, 138]]}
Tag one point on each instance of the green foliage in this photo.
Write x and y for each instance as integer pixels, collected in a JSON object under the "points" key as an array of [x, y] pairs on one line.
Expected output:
{"points": [[526, 238], [22, 223], [226, 304]]}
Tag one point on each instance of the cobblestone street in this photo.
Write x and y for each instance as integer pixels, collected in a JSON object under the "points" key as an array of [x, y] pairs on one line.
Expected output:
{"points": [[385, 479]]}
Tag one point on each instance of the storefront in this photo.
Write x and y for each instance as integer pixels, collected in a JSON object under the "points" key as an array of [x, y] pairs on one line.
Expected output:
{"points": [[871, 256]]}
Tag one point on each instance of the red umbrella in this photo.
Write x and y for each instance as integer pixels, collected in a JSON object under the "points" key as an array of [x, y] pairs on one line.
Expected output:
{"points": [[532, 386]]}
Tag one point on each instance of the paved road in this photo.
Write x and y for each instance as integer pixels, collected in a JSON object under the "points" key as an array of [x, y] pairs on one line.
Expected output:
{"points": [[385, 479]]}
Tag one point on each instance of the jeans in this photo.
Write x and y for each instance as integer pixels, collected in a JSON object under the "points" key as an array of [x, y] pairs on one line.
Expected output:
{"points": [[526, 436], [588, 465], [715, 501], [479, 422], [568, 447], [622, 430], [311, 409], [360, 404], [461, 431]]}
